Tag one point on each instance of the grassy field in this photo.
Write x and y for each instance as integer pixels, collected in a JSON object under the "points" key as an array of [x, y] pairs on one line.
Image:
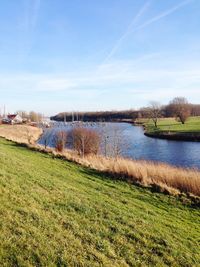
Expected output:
{"points": [[56, 213], [192, 125]]}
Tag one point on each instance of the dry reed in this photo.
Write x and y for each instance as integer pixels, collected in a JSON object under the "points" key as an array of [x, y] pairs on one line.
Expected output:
{"points": [[168, 178], [20, 133]]}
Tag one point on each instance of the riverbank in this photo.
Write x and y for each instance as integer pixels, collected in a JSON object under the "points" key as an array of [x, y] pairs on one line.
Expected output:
{"points": [[157, 176], [170, 129], [55, 212], [175, 136]]}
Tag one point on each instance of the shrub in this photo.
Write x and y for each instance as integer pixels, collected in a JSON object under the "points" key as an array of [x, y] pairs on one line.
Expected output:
{"points": [[85, 141], [60, 141]]}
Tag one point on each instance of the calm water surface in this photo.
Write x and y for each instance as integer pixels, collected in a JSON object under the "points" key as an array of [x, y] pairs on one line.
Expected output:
{"points": [[178, 153], [137, 146]]}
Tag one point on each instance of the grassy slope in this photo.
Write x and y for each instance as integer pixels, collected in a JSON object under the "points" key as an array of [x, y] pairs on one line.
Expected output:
{"points": [[192, 125], [55, 213]]}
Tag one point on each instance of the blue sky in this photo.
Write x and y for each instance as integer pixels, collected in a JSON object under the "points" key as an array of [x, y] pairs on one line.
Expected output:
{"points": [[58, 55]]}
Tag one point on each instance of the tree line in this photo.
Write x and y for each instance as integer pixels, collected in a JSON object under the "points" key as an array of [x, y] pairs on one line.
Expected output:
{"points": [[167, 111], [102, 116]]}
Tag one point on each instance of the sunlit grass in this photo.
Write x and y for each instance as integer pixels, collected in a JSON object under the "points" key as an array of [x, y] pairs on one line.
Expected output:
{"points": [[56, 213], [192, 125]]}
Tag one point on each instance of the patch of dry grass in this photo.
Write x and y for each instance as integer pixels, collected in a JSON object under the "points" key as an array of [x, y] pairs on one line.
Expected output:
{"points": [[20, 133]]}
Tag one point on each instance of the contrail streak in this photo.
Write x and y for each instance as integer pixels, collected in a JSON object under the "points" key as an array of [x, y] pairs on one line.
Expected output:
{"points": [[133, 22], [163, 14], [130, 28]]}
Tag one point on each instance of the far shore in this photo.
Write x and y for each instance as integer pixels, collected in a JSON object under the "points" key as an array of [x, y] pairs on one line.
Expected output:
{"points": [[170, 129], [194, 137]]}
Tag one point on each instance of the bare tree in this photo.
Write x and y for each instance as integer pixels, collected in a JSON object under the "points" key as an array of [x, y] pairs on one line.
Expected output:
{"points": [[35, 117], [105, 139], [47, 137], [112, 141], [60, 141], [117, 141], [154, 112], [180, 108], [85, 141]]}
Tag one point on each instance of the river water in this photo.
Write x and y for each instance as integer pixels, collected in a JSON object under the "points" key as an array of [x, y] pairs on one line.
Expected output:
{"points": [[134, 144]]}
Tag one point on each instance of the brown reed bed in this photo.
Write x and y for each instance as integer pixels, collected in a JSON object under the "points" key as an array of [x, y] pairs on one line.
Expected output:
{"points": [[165, 178]]}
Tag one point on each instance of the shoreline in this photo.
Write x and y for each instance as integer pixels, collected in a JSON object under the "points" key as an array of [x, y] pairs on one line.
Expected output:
{"points": [[174, 136], [157, 181], [162, 177]]}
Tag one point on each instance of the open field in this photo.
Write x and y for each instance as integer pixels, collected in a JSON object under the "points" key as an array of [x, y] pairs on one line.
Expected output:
{"points": [[56, 213], [192, 125]]}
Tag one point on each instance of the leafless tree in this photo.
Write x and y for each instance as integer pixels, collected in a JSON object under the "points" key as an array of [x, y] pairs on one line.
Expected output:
{"points": [[85, 141], [180, 108], [117, 142], [47, 136], [113, 142], [154, 112], [35, 117], [105, 140], [60, 140]]}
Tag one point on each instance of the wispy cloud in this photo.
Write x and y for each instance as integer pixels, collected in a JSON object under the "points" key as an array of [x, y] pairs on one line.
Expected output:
{"points": [[133, 28], [121, 74], [163, 14], [119, 85], [128, 30]]}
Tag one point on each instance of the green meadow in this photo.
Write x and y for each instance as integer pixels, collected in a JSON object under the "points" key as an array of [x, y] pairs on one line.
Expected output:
{"points": [[192, 125], [57, 213]]}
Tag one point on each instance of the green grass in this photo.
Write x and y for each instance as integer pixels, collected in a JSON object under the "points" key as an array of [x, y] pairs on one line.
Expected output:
{"points": [[192, 125], [56, 213]]}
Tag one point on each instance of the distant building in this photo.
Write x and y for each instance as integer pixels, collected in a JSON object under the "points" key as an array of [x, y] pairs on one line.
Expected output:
{"points": [[12, 119]]}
